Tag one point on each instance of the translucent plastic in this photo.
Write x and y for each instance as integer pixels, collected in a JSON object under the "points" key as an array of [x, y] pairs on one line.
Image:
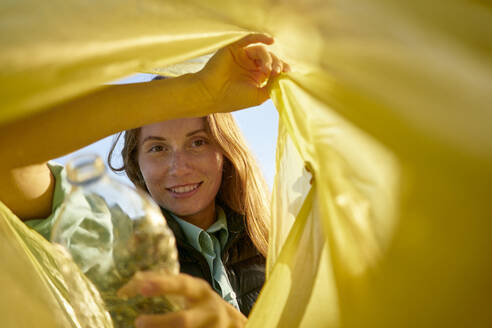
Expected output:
{"points": [[111, 232]]}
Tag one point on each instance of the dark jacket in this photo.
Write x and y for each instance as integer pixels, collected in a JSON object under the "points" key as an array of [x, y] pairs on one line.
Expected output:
{"points": [[245, 266]]}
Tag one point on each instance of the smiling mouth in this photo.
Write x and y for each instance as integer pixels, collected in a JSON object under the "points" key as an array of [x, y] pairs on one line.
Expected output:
{"points": [[184, 189]]}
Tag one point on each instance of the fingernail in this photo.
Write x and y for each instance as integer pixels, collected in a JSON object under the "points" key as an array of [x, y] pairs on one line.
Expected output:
{"points": [[139, 322], [146, 288]]}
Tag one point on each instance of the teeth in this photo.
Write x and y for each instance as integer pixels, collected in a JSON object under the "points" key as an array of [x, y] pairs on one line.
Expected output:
{"points": [[184, 189]]}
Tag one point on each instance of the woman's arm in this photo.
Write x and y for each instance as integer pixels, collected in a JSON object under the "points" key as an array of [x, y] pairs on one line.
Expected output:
{"points": [[28, 191], [232, 79]]}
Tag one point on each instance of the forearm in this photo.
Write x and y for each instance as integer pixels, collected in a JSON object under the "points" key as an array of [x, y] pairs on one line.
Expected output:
{"points": [[231, 80], [81, 121]]}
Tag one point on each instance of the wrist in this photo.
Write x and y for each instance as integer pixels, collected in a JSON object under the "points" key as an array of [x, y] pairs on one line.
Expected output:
{"points": [[203, 86], [207, 86], [187, 94]]}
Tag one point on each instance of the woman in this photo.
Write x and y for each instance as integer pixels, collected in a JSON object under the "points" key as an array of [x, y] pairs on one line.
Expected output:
{"points": [[234, 78], [201, 173]]}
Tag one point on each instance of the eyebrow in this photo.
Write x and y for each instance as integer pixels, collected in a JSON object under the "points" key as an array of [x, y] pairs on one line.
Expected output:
{"points": [[195, 132], [147, 138]]}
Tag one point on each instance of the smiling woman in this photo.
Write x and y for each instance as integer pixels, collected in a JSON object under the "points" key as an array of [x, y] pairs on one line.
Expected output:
{"points": [[182, 168], [201, 173]]}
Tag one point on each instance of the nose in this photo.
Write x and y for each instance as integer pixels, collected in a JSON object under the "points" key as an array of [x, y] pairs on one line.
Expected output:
{"points": [[179, 163]]}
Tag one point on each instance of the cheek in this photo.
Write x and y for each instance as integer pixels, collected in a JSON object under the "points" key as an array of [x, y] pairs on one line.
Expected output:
{"points": [[148, 173], [142, 167]]}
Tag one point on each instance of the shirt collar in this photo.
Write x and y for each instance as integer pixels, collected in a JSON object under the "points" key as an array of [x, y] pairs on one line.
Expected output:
{"points": [[192, 232]]}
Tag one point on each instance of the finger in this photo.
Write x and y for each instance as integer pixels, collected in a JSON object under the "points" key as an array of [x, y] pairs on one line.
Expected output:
{"points": [[132, 287], [277, 66], [257, 78], [156, 284], [241, 58], [286, 68], [196, 317], [174, 319], [262, 58], [253, 38], [193, 289], [264, 91]]}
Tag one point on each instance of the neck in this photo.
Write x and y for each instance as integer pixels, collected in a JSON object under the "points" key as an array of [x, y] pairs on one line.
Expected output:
{"points": [[203, 219]]}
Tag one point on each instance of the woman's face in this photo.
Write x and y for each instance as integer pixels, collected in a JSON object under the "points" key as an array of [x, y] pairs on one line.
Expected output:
{"points": [[182, 168]]}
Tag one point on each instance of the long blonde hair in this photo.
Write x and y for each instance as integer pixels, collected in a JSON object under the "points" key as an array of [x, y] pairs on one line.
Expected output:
{"points": [[243, 187]]}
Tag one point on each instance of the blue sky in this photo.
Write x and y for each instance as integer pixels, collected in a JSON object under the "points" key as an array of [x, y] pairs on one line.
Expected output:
{"points": [[258, 124]]}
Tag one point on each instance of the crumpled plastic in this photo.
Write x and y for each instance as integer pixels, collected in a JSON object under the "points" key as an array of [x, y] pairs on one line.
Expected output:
{"points": [[384, 155]]}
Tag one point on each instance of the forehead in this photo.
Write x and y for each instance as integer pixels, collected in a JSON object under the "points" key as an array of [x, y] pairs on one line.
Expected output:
{"points": [[173, 128]]}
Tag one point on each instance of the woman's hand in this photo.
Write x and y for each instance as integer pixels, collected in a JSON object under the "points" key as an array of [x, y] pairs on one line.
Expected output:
{"points": [[234, 78], [237, 76], [203, 307]]}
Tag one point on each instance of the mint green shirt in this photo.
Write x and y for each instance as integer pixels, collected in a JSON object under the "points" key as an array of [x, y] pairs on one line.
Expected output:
{"points": [[210, 244], [79, 217]]}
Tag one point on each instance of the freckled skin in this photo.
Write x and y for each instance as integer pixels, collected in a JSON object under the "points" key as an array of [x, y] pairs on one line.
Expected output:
{"points": [[178, 153]]}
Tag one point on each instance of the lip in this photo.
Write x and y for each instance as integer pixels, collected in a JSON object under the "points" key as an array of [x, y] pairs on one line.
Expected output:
{"points": [[184, 194]]}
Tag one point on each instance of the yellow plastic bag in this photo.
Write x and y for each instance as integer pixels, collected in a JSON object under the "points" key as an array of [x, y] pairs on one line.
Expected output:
{"points": [[41, 286], [384, 156]]}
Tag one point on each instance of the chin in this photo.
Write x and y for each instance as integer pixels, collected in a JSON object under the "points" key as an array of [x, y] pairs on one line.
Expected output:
{"points": [[182, 213], [187, 209]]}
